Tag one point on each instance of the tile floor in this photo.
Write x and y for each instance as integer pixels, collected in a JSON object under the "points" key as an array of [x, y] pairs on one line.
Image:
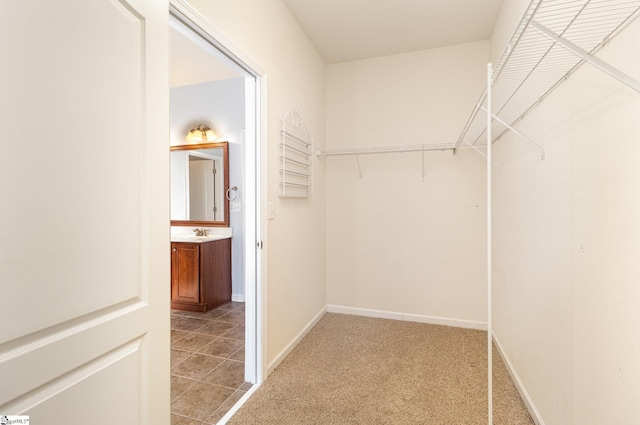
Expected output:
{"points": [[207, 363]]}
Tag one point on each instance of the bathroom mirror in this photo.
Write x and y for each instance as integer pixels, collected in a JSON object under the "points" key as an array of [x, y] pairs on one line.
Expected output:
{"points": [[199, 184]]}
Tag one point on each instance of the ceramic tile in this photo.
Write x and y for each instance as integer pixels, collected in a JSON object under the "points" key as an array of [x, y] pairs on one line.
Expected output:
{"points": [[238, 355], [228, 374], [226, 306], [180, 385], [218, 414], [186, 323], [222, 347], [200, 401], [177, 335], [237, 305], [236, 333], [177, 356], [194, 342], [186, 313], [181, 420], [224, 407], [195, 401], [246, 386], [196, 366], [233, 317], [231, 305], [217, 328], [214, 314]]}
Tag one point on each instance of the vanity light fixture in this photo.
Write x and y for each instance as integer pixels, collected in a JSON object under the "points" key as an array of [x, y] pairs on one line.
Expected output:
{"points": [[201, 133]]}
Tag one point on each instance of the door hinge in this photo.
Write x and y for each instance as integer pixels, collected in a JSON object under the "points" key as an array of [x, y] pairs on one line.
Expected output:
{"points": [[259, 245]]}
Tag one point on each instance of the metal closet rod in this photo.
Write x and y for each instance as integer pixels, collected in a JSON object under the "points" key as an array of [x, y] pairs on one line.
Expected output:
{"points": [[386, 149]]}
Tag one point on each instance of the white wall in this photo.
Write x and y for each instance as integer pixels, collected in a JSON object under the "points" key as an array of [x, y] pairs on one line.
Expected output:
{"points": [[567, 243], [219, 104], [295, 246], [511, 13], [394, 242]]}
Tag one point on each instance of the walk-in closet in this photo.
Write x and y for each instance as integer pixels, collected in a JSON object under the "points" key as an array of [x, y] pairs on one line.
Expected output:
{"points": [[544, 259], [429, 209]]}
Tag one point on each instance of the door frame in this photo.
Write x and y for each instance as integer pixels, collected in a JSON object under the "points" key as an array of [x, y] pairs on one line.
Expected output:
{"points": [[255, 172]]}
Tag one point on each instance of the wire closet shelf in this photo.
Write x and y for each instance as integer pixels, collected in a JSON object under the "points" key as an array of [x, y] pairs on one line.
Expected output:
{"points": [[386, 149], [551, 41]]}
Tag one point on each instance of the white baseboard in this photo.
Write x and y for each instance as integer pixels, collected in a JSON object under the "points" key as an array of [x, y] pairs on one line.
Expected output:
{"points": [[524, 394], [237, 298], [457, 323], [285, 352]]}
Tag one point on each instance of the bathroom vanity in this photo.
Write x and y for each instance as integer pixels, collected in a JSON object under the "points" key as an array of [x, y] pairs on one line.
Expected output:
{"points": [[200, 273], [200, 262]]}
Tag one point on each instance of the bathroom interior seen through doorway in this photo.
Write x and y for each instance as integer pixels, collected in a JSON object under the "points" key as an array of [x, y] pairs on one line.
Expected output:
{"points": [[215, 347]]}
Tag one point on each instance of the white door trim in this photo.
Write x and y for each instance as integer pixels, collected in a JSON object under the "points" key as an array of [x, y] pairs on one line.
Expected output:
{"points": [[255, 171]]}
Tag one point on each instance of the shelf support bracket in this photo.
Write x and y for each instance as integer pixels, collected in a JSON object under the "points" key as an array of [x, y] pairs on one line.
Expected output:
{"points": [[359, 169], [482, 154], [530, 142], [584, 55]]}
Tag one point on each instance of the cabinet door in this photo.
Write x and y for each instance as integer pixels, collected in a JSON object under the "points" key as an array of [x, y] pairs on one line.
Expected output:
{"points": [[222, 255], [185, 272], [216, 272]]}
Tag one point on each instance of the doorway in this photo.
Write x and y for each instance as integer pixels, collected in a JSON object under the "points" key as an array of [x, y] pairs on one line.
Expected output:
{"points": [[221, 88]]}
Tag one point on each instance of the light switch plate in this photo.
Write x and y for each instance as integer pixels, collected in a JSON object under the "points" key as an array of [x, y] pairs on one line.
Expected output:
{"points": [[272, 211], [234, 206]]}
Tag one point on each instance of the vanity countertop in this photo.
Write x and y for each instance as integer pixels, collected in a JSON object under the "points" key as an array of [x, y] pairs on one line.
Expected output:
{"points": [[187, 234], [197, 239]]}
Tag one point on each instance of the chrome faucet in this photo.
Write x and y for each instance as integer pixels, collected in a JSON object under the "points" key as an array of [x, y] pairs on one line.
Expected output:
{"points": [[201, 232]]}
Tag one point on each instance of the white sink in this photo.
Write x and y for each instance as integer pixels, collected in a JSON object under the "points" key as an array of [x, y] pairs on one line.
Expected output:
{"points": [[186, 234], [193, 238]]}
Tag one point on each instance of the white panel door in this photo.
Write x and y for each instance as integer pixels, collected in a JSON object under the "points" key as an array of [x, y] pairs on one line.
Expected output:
{"points": [[84, 229], [201, 190]]}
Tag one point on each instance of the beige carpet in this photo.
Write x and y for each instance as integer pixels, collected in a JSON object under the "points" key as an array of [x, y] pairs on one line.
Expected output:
{"points": [[359, 370]]}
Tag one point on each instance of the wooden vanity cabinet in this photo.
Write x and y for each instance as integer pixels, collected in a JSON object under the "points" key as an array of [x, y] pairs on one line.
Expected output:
{"points": [[200, 274]]}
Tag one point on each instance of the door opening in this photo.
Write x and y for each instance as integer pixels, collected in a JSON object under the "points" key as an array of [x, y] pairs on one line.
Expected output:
{"points": [[205, 64]]}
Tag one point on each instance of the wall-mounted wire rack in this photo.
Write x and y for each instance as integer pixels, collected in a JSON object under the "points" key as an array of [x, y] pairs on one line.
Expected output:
{"points": [[551, 41], [295, 159], [357, 152], [386, 149]]}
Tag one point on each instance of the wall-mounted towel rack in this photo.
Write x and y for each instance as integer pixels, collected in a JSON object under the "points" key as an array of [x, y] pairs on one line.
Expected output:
{"points": [[295, 159], [551, 41]]}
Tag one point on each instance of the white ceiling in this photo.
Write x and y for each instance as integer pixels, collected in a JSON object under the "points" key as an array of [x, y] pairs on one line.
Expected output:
{"points": [[345, 30], [193, 61]]}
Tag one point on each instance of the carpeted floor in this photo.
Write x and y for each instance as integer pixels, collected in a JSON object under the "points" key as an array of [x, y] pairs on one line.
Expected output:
{"points": [[359, 370]]}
